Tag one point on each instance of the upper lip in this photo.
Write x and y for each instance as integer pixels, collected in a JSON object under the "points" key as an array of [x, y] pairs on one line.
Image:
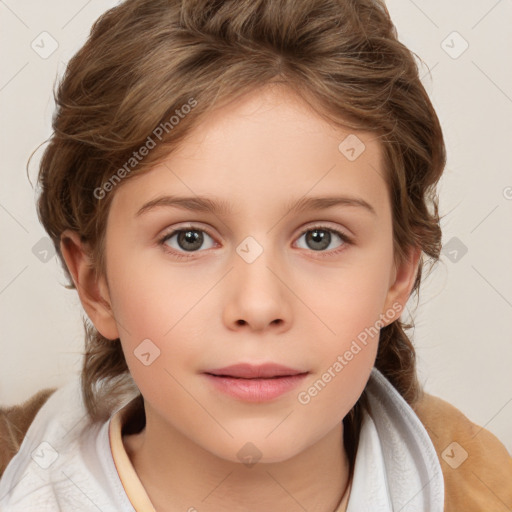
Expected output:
{"points": [[250, 371]]}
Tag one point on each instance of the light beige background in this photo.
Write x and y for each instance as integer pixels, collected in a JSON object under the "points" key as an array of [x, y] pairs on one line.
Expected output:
{"points": [[464, 320]]}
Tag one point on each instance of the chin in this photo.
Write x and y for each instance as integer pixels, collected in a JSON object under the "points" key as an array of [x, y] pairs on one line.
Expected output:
{"points": [[251, 450]]}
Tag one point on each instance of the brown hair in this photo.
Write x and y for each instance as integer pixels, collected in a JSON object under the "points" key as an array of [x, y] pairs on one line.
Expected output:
{"points": [[146, 59]]}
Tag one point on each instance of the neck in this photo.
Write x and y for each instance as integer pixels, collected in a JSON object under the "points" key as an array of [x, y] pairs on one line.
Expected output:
{"points": [[180, 475]]}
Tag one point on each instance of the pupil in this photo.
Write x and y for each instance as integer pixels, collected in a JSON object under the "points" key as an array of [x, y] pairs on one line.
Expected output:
{"points": [[320, 237], [193, 238]]}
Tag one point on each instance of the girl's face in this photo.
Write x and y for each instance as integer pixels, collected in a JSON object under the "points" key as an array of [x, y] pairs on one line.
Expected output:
{"points": [[266, 239]]}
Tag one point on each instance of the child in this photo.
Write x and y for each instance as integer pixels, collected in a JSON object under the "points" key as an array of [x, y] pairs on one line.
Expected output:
{"points": [[265, 365]]}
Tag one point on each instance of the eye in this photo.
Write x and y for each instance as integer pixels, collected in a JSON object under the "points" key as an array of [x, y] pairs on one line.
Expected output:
{"points": [[188, 239], [319, 238]]}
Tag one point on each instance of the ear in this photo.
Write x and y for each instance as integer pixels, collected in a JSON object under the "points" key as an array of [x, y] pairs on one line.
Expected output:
{"points": [[401, 283], [93, 291]]}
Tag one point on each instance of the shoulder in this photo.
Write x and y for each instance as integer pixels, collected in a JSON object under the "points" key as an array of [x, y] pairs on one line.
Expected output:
{"points": [[14, 423], [477, 468], [64, 461]]}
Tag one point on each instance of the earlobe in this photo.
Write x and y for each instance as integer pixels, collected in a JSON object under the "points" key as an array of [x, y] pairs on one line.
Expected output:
{"points": [[92, 290], [403, 282]]}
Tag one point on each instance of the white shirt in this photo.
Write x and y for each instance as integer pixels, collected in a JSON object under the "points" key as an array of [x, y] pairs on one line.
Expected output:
{"points": [[68, 463]]}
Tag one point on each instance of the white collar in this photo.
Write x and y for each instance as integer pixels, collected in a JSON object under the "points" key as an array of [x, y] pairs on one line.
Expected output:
{"points": [[396, 467]]}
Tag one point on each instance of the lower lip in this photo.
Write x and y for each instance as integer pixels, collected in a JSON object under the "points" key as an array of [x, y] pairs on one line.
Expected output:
{"points": [[256, 390]]}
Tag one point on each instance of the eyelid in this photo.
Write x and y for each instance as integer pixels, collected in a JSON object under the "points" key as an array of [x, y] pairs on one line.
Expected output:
{"points": [[328, 227], [346, 239], [187, 226]]}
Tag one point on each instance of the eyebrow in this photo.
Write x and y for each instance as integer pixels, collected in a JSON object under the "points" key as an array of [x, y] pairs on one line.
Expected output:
{"points": [[221, 207]]}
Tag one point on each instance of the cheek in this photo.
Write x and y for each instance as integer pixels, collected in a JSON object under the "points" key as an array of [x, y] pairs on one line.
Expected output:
{"points": [[350, 305], [150, 298], [351, 299], [157, 308], [345, 356]]}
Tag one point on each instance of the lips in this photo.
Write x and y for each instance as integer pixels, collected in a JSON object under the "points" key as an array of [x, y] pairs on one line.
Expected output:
{"points": [[249, 371], [255, 383]]}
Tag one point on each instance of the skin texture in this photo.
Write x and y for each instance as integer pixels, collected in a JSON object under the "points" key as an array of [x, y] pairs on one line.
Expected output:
{"points": [[295, 304]]}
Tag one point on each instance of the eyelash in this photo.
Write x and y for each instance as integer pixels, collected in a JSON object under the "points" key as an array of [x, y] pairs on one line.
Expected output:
{"points": [[181, 256]]}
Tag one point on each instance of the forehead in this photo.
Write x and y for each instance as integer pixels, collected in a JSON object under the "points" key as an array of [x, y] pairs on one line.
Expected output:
{"points": [[266, 146]]}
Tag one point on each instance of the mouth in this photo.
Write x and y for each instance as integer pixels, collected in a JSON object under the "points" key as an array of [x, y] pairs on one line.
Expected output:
{"points": [[255, 383], [253, 378], [249, 371]]}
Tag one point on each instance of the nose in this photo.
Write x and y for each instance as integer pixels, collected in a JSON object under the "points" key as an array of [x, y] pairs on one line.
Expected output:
{"points": [[257, 297]]}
